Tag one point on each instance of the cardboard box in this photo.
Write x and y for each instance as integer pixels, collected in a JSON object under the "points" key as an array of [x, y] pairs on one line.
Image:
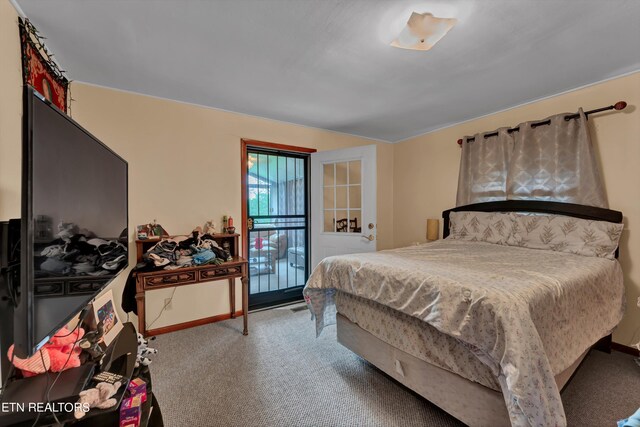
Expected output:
{"points": [[131, 407], [138, 387], [130, 417]]}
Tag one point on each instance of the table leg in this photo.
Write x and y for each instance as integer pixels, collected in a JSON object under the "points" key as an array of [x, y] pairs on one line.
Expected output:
{"points": [[245, 304], [232, 297], [141, 314]]}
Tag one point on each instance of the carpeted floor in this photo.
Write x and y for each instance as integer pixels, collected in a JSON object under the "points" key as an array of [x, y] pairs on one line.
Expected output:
{"points": [[281, 375]]}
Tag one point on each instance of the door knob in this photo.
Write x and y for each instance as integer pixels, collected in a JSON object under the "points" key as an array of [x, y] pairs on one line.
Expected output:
{"points": [[371, 226], [370, 237]]}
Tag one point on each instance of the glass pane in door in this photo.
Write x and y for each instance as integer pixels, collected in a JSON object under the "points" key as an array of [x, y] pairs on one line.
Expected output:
{"points": [[277, 199], [342, 201]]}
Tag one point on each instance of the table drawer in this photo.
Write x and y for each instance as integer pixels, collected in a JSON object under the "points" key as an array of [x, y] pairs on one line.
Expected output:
{"points": [[176, 278], [217, 272]]}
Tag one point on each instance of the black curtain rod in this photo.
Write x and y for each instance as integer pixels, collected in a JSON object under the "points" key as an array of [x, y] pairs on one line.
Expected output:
{"points": [[620, 105]]}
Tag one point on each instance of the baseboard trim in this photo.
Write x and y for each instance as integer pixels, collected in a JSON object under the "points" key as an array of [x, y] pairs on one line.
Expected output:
{"points": [[625, 349], [192, 323]]}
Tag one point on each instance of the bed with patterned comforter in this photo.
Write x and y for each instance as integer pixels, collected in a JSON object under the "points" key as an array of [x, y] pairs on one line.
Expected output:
{"points": [[525, 314]]}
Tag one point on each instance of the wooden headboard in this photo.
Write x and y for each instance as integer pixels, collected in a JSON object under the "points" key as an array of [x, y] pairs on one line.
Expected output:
{"points": [[537, 206]]}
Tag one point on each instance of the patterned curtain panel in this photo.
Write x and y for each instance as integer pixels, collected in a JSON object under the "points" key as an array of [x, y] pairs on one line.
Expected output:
{"points": [[483, 168], [545, 162], [556, 162]]}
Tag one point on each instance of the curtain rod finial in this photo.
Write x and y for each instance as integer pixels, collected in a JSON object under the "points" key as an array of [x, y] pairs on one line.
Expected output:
{"points": [[620, 105], [460, 141]]}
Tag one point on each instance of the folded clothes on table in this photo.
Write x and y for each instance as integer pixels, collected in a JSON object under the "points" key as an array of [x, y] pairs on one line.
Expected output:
{"points": [[78, 252], [84, 267], [53, 251], [202, 256], [56, 266], [184, 251]]}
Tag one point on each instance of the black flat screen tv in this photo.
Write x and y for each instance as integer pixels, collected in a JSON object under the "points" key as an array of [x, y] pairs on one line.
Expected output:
{"points": [[73, 227]]}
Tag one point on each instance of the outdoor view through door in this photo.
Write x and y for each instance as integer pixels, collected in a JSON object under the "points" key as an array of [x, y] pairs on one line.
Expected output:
{"points": [[277, 235]]}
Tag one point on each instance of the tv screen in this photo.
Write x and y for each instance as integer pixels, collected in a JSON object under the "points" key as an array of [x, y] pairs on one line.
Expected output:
{"points": [[74, 221]]}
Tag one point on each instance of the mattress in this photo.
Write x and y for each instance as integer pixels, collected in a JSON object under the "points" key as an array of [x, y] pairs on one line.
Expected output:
{"points": [[526, 314], [416, 338]]}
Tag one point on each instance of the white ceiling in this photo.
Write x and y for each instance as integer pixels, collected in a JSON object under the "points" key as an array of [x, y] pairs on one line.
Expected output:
{"points": [[328, 63]]}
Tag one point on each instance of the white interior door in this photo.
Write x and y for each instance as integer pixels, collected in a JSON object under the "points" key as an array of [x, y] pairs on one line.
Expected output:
{"points": [[343, 202]]}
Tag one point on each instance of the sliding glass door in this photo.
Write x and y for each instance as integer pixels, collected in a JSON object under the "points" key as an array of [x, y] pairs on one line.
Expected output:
{"points": [[277, 239]]}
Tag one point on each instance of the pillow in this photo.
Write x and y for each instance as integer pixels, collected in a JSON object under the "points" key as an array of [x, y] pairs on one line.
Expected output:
{"points": [[565, 234], [490, 227]]}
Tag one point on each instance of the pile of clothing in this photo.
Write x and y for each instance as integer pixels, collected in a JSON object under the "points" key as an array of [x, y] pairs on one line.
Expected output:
{"points": [[184, 251], [77, 252], [176, 252]]}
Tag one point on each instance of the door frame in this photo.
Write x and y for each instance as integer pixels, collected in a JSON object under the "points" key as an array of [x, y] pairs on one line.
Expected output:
{"points": [[252, 143]]}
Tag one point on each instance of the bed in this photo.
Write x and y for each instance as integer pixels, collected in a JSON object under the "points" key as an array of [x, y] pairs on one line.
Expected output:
{"points": [[490, 332]]}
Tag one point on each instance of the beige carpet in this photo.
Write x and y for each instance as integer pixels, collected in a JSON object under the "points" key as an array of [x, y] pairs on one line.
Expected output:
{"points": [[281, 375]]}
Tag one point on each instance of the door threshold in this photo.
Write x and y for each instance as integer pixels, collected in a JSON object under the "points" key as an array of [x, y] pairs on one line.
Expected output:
{"points": [[283, 305]]}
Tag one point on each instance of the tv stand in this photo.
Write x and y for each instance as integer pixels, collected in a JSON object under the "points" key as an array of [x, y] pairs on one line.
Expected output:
{"points": [[26, 394]]}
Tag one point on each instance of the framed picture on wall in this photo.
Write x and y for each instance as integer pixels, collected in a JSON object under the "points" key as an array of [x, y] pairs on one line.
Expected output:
{"points": [[104, 310]]}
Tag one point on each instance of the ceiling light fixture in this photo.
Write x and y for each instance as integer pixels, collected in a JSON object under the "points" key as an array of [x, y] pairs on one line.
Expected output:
{"points": [[423, 31]]}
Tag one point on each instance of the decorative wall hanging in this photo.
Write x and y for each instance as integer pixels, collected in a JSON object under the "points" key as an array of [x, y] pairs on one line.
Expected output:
{"points": [[38, 68], [151, 231]]}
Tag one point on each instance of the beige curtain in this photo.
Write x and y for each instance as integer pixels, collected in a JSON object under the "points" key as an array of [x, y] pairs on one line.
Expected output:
{"points": [[556, 162], [547, 162], [483, 168]]}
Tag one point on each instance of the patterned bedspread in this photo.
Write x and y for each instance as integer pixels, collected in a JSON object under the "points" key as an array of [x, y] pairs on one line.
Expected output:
{"points": [[418, 338], [525, 313]]}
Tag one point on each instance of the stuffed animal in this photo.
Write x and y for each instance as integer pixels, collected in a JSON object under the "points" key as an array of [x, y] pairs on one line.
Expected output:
{"points": [[63, 349], [98, 397], [91, 342], [209, 228], [58, 354], [143, 351], [37, 364]]}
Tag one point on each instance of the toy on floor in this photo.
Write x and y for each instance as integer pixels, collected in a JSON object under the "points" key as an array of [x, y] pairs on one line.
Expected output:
{"points": [[98, 397], [143, 351], [59, 354]]}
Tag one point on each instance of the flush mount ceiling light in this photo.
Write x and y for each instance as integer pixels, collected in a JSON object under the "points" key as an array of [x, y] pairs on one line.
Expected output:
{"points": [[423, 31]]}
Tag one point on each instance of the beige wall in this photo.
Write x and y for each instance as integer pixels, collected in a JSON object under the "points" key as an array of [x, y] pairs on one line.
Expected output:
{"points": [[426, 172], [10, 112], [184, 169]]}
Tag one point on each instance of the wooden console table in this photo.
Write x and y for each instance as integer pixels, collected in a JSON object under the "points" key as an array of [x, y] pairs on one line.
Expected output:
{"points": [[159, 279]]}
